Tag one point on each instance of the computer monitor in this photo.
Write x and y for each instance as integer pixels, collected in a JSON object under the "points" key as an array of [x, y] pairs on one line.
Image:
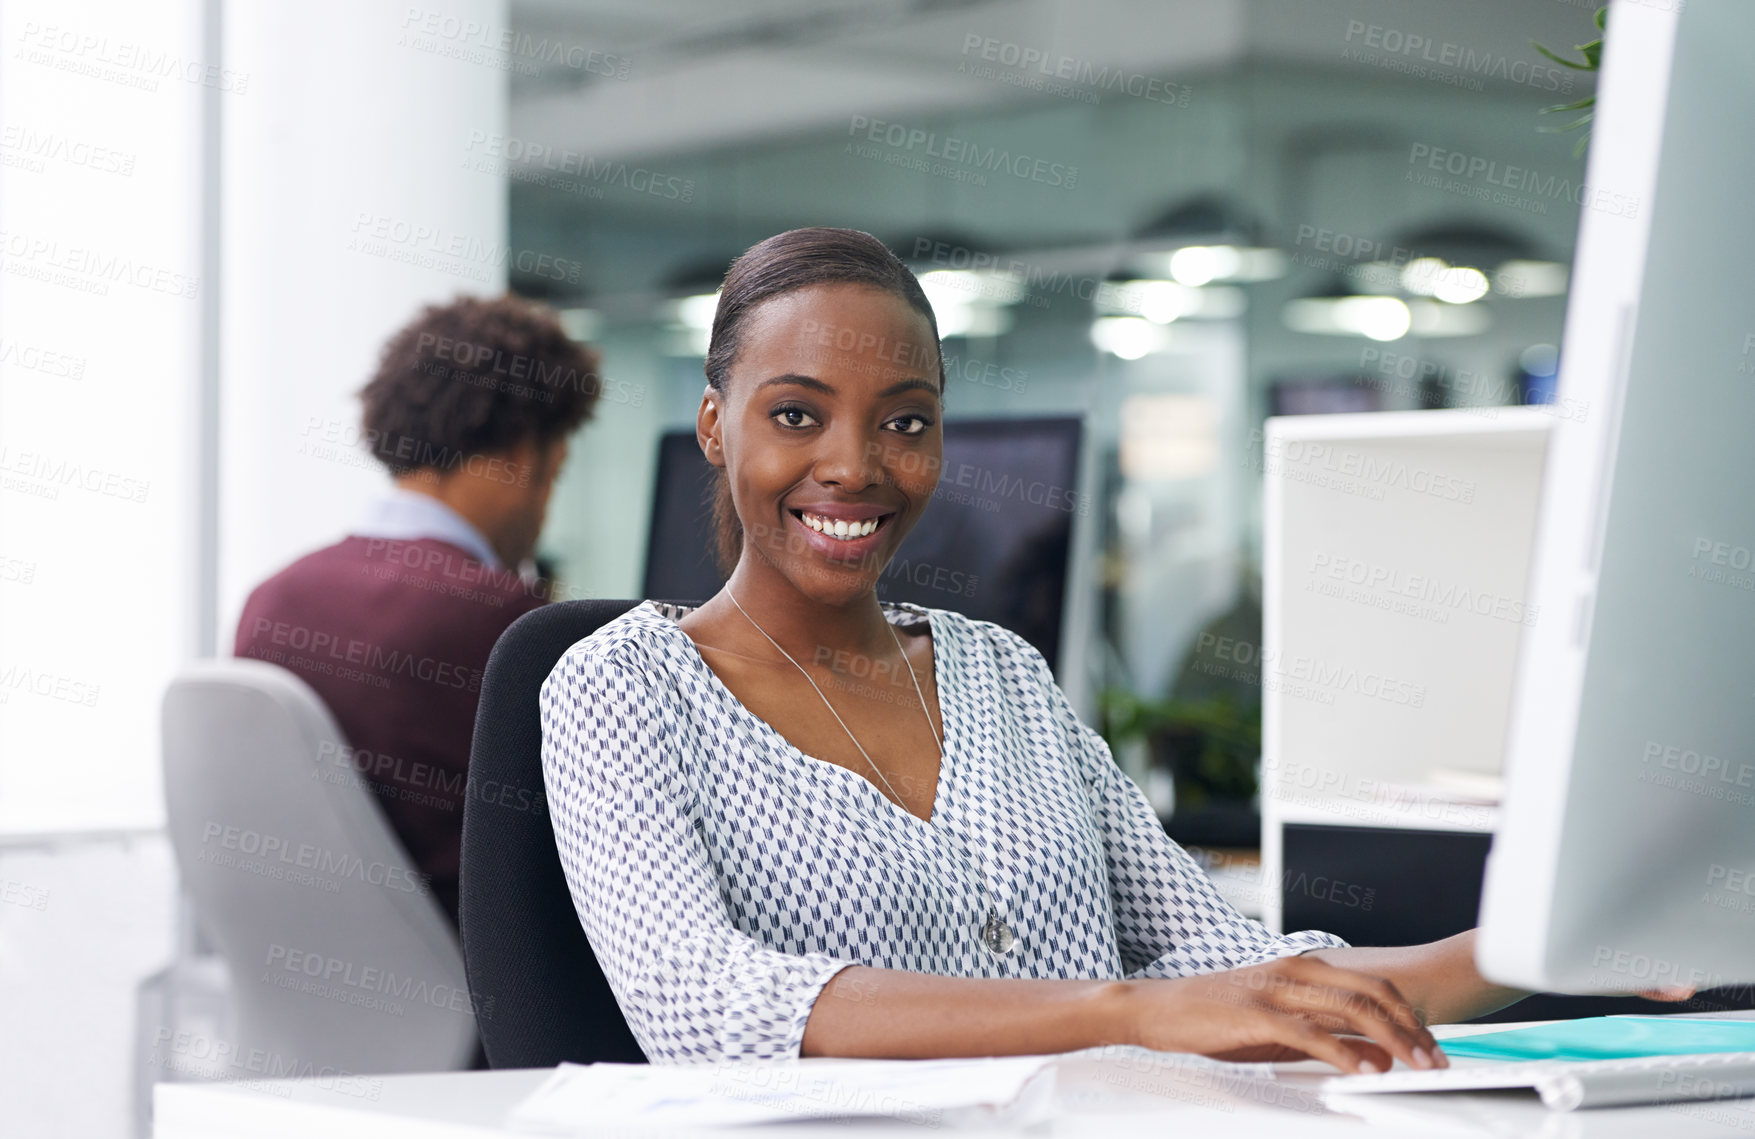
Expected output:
{"points": [[1625, 853], [995, 543], [1330, 395]]}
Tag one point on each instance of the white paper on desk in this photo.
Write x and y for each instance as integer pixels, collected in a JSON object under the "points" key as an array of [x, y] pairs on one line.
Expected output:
{"points": [[1011, 1090]]}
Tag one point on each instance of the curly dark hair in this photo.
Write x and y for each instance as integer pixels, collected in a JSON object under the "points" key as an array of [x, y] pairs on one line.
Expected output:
{"points": [[787, 261], [476, 376]]}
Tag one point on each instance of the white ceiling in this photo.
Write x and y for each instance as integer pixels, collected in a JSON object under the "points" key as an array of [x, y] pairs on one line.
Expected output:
{"points": [[711, 75]]}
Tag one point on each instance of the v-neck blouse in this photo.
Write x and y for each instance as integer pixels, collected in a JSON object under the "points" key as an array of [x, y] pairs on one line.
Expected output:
{"points": [[723, 876]]}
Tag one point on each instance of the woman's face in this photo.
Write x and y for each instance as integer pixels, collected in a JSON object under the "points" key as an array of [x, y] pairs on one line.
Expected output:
{"points": [[829, 428]]}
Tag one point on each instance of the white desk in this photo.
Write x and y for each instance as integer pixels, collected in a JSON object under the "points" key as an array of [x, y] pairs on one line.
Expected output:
{"points": [[1100, 1095]]}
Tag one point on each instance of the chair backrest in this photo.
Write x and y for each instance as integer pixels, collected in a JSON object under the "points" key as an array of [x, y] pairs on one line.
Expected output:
{"points": [[341, 961], [522, 940]]}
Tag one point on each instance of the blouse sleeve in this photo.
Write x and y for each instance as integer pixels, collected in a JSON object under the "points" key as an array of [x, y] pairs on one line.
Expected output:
{"points": [[1170, 920], [693, 987]]}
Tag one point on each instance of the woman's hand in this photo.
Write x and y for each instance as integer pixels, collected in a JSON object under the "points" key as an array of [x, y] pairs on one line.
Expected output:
{"points": [[1287, 1009]]}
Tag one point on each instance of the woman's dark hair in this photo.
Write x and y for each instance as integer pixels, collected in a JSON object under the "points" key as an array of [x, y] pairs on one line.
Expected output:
{"points": [[476, 376], [783, 263]]}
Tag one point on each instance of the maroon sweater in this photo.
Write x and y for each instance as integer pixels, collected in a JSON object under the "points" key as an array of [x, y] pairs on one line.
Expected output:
{"points": [[394, 636]]}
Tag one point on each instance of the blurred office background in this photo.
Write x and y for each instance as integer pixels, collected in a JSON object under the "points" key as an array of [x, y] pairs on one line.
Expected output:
{"points": [[1166, 220]]}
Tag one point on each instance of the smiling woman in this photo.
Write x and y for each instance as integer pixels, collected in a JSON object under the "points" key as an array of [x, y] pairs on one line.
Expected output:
{"points": [[794, 792], [841, 334], [822, 412]]}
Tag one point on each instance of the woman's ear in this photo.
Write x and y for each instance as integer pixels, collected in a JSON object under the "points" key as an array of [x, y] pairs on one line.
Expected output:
{"points": [[707, 427]]}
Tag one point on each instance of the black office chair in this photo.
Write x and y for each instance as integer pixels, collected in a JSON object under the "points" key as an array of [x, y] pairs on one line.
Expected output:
{"points": [[541, 996]]}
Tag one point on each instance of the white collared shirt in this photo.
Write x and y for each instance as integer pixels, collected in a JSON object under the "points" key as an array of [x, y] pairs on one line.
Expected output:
{"points": [[408, 516]]}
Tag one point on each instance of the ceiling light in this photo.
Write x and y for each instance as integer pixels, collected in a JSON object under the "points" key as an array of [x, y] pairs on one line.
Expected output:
{"points": [[1379, 318], [1158, 301], [1420, 276], [696, 312], [1129, 337], [1530, 278], [1163, 301], [971, 320], [973, 286], [1200, 264], [1460, 285], [1437, 318], [681, 340], [1203, 264]]}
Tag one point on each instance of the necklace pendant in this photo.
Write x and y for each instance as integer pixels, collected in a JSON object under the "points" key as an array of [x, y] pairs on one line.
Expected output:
{"points": [[996, 935]]}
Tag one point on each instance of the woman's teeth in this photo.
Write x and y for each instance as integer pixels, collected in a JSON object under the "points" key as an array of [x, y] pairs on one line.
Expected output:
{"points": [[839, 527]]}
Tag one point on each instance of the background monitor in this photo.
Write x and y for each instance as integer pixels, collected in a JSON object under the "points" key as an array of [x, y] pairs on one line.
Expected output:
{"points": [[1625, 850], [994, 544], [1329, 395]]}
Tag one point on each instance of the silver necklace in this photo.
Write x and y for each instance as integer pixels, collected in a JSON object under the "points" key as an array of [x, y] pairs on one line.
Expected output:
{"points": [[995, 935]]}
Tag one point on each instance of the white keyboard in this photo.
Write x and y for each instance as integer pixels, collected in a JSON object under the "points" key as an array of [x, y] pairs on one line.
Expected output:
{"points": [[1568, 1084]]}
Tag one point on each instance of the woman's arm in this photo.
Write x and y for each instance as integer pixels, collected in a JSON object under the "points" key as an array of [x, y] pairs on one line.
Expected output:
{"points": [[691, 984], [1290, 1008], [1440, 979], [872, 1012]]}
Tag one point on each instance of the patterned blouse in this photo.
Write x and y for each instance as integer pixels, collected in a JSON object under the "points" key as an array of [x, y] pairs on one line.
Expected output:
{"points": [[723, 876]]}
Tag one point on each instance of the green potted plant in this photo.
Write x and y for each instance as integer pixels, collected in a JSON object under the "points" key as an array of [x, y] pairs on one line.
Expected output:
{"points": [[1205, 732], [1211, 747], [1591, 55]]}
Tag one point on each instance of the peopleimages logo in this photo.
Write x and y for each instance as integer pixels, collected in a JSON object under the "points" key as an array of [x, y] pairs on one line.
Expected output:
{"points": [[518, 158], [1277, 671], [332, 977], [86, 269], [416, 243], [930, 152], [211, 1058], [50, 473], [377, 658], [1723, 563], [1488, 178], [51, 685], [34, 149], [33, 358], [1647, 972], [1427, 588], [1037, 69], [1489, 395], [1310, 461], [267, 849], [133, 64], [524, 46], [1454, 63]]}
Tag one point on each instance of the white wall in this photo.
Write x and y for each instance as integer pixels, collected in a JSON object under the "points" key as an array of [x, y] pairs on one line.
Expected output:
{"points": [[330, 111], [348, 205], [100, 302]]}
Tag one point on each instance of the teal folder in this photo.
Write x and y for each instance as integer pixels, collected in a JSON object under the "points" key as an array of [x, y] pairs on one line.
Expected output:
{"points": [[1607, 1038]]}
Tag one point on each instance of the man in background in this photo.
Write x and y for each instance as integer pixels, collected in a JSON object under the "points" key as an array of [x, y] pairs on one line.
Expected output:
{"points": [[470, 410]]}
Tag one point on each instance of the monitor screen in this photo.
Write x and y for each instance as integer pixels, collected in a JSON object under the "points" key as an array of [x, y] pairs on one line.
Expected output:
{"points": [[1336, 395], [1623, 856], [994, 544]]}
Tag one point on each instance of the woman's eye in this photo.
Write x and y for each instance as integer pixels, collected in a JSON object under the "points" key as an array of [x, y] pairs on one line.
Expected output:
{"points": [[920, 423], [784, 416]]}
